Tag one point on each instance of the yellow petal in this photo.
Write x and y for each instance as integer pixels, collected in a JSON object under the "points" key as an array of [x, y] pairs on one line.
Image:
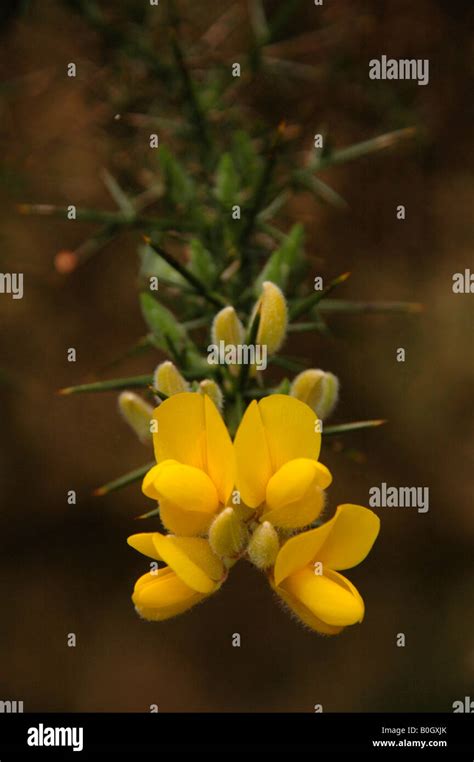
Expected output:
{"points": [[192, 432], [220, 459], [353, 532], [161, 595], [330, 597], [148, 484], [277, 429], [186, 487], [185, 523], [305, 614], [289, 429], [180, 434], [252, 456], [188, 499], [143, 542], [299, 551], [192, 559], [294, 497], [341, 543]]}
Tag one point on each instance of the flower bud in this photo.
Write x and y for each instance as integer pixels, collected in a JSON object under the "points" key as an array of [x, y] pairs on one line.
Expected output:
{"points": [[263, 546], [168, 379], [318, 389], [137, 413], [227, 535], [213, 391], [228, 329], [273, 317]]}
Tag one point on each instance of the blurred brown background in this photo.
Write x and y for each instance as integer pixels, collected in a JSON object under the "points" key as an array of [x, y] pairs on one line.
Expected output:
{"points": [[67, 568]]}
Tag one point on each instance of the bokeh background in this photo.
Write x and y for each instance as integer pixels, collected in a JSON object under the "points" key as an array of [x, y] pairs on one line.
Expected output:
{"points": [[67, 568]]}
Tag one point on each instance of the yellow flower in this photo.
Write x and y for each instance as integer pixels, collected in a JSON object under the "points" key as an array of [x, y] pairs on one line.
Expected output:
{"points": [[277, 472], [306, 569], [194, 475], [192, 573]]}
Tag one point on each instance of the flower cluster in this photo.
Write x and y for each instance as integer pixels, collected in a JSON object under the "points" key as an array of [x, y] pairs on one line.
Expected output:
{"points": [[221, 501]]}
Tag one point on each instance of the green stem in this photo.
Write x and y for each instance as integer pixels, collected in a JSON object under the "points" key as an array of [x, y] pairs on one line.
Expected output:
{"points": [[215, 299], [258, 199], [114, 384], [311, 301], [355, 426], [123, 481], [133, 47], [118, 219], [364, 148], [250, 341], [341, 305], [197, 115]]}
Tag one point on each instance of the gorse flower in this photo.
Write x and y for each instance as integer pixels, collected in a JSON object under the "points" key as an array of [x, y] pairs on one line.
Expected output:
{"points": [[216, 253], [192, 573], [306, 569], [194, 475], [224, 501], [277, 471]]}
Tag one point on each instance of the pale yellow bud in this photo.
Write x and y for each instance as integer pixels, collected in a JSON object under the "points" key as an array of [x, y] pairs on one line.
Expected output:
{"points": [[318, 389], [263, 546], [227, 535], [137, 413], [228, 329], [273, 317], [168, 379], [213, 391]]}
